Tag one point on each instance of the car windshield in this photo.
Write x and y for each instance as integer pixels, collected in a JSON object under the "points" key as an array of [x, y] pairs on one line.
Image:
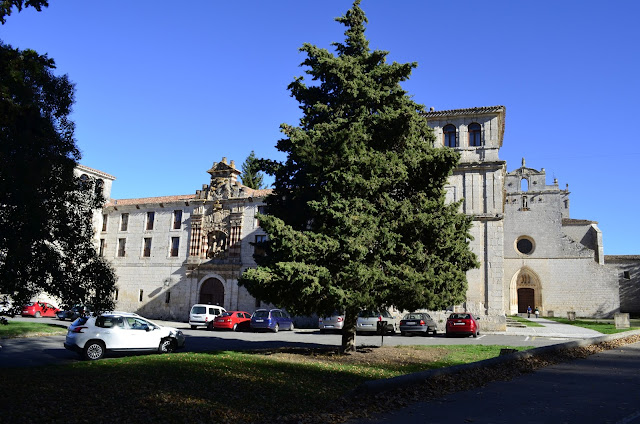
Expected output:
{"points": [[226, 314], [199, 310], [460, 316], [374, 314], [261, 314], [413, 316]]}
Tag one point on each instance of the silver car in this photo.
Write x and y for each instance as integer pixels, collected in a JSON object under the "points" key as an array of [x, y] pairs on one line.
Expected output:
{"points": [[368, 321], [93, 337], [335, 322]]}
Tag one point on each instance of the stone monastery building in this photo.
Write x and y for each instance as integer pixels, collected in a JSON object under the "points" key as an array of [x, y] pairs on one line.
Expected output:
{"points": [[173, 251]]}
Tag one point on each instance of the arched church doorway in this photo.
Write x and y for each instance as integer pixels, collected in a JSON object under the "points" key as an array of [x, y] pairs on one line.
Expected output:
{"points": [[526, 298], [212, 292], [525, 290]]}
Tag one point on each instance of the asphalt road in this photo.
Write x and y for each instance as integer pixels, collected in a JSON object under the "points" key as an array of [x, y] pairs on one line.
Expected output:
{"points": [[603, 388], [48, 350]]}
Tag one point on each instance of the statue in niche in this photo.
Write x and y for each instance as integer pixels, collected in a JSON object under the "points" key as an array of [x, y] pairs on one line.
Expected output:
{"points": [[217, 241]]}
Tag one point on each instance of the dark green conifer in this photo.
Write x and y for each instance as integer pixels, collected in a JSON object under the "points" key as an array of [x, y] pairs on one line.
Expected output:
{"points": [[358, 218]]}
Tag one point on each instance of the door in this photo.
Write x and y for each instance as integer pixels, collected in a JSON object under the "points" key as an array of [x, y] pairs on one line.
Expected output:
{"points": [[212, 292], [526, 298]]}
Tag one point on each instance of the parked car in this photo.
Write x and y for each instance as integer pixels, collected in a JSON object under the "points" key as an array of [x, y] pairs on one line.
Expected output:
{"points": [[271, 319], [232, 320], [368, 321], [201, 315], [462, 323], [74, 312], [335, 322], [93, 337], [39, 309], [418, 322]]}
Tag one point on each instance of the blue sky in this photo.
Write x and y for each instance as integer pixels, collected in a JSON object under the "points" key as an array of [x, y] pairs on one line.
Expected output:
{"points": [[164, 89]]}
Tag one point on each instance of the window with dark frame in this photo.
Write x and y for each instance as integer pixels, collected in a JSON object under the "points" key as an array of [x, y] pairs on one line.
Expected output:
{"points": [[150, 217], [175, 244], [102, 244], [449, 133], [167, 297], [147, 247], [177, 219], [121, 247], [124, 222], [475, 132], [105, 218], [141, 295], [263, 211], [626, 275], [258, 248]]}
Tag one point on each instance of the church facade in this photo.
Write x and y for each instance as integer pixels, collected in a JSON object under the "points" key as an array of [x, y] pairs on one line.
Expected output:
{"points": [[173, 251]]}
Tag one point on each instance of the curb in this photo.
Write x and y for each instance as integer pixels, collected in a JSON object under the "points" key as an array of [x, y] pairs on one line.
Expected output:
{"points": [[375, 386]]}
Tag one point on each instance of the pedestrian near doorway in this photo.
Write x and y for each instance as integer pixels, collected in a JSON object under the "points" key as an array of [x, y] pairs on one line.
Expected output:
{"points": [[537, 312], [529, 311]]}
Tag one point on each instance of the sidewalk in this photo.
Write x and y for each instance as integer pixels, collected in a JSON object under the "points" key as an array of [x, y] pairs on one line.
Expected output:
{"points": [[550, 329]]}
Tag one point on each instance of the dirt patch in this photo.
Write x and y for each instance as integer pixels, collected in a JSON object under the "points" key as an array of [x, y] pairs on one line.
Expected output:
{"points": [[365, 355]]}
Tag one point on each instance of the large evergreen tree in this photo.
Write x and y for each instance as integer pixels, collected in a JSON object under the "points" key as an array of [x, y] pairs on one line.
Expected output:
{"points": [[358, 218], [46, 231], [251, 175]]}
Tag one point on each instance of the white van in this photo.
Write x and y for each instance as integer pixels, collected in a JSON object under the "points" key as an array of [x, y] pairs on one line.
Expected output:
{"points": [[203, 315]]}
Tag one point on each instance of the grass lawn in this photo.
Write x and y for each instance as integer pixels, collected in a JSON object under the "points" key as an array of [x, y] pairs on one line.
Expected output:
{"points": [[605, 326], [525, 321], [214, 387], [29, 329]]}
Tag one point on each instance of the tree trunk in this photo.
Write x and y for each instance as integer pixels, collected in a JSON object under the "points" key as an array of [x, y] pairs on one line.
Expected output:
{"points": [[349, 332]]}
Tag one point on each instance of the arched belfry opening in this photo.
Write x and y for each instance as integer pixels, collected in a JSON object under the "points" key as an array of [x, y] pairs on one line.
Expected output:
{"points": [[525, 290], [212, 292]]}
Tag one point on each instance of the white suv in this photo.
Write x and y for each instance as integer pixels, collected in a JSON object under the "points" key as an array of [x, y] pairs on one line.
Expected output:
{"points": [[203, 315], [92, 337]]}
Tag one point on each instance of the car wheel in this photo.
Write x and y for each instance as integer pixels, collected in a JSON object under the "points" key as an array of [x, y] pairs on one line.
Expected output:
{"points": [[37, 315], [94, 350], [193, 327], [210, 326], [291, 327], [402, 333], [322, 331], [235, 327], [167, 345], [435, 332], [61, 318], [276, 328]]}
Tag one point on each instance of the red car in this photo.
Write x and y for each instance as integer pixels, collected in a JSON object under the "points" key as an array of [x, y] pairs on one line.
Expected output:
{"points": [[232, 320], [462, 323], [39, 309]]}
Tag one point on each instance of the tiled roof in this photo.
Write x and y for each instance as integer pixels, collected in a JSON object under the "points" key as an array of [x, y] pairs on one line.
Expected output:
{"points": [[258, 193], [104, 174], [569, 221], [143, 200], [621, 258], [469, 111]]}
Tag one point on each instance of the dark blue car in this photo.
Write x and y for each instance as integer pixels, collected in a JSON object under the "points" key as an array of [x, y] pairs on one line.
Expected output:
{"points": [[271, 319]]}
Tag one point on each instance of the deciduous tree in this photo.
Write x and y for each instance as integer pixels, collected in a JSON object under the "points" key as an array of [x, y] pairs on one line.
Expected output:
{"points": [[46, 231], [7, 5], [358, 218]]}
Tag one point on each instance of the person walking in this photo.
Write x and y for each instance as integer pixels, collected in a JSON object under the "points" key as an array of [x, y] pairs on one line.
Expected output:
{"points": [[537, 312], [529, 311]]}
